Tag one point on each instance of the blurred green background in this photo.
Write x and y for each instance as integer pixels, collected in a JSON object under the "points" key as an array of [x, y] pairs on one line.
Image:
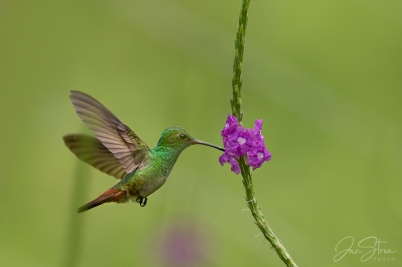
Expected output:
{"points": [[325, 76]]}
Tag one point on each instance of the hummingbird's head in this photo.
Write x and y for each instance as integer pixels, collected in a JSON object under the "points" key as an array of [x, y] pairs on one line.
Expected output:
{"points": [[177, 137]]}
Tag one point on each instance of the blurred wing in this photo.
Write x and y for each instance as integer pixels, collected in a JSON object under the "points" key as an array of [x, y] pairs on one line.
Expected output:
{"points": [[125, 145], [93, 152]]}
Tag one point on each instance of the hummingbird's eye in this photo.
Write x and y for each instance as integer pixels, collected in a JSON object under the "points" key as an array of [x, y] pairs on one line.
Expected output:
{"points": [[182, 136]]}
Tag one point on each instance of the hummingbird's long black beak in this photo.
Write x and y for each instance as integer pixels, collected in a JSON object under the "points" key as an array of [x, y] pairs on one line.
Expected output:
{"points": [[199, 142]]}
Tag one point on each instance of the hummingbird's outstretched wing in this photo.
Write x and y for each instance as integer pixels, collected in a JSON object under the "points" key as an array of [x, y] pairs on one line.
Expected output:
{"points": [[125, 145], [92, 151]]}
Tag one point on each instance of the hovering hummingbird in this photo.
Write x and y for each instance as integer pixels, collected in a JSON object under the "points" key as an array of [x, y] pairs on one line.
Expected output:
{"points": [[119, 152]]}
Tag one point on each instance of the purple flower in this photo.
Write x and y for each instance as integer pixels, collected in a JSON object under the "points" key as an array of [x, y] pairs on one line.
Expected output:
{"points": [[258, 152], [236, 143], [239, 142], [230, 126], [254, 136], [234, 138], [226, 158], [257, 156]]}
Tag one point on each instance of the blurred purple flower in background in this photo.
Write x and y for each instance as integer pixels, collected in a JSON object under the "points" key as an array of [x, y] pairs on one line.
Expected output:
{"points": [[183, 245], [239, 142]]}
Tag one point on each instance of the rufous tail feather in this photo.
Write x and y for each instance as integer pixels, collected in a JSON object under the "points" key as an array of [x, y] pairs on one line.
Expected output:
{"points": [[111, 195]]}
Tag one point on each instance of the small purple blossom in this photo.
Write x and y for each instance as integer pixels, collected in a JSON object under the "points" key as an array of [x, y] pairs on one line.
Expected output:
{"points": [[236, 142], [239, 142], [254, 136], [230, 126], [226, 158], [257, 156]]}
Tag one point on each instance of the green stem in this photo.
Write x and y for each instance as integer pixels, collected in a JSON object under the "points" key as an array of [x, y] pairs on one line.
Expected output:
{"points": [[237, 80], [75, 225], [246, 171]]}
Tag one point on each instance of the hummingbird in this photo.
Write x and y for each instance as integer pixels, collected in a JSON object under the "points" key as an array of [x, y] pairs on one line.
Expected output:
{"points": [[119, 152]]}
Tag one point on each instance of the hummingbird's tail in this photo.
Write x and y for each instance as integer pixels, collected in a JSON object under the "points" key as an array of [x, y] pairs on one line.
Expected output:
{"points": [[111, 195]]}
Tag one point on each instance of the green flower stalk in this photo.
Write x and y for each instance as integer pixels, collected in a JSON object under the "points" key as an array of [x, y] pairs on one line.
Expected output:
{"points": [[243, 158], [75, 225]]}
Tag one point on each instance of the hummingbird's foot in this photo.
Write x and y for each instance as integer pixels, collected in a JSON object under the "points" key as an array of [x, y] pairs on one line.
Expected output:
{"points": [[142, 201]]}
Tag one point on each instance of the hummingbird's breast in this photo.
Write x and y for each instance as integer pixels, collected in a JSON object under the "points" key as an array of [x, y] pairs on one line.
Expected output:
{"points": [[151, 176]]}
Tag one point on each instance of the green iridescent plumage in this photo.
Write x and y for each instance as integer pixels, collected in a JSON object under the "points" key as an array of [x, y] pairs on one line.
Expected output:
{"points": [[119, 152]]}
